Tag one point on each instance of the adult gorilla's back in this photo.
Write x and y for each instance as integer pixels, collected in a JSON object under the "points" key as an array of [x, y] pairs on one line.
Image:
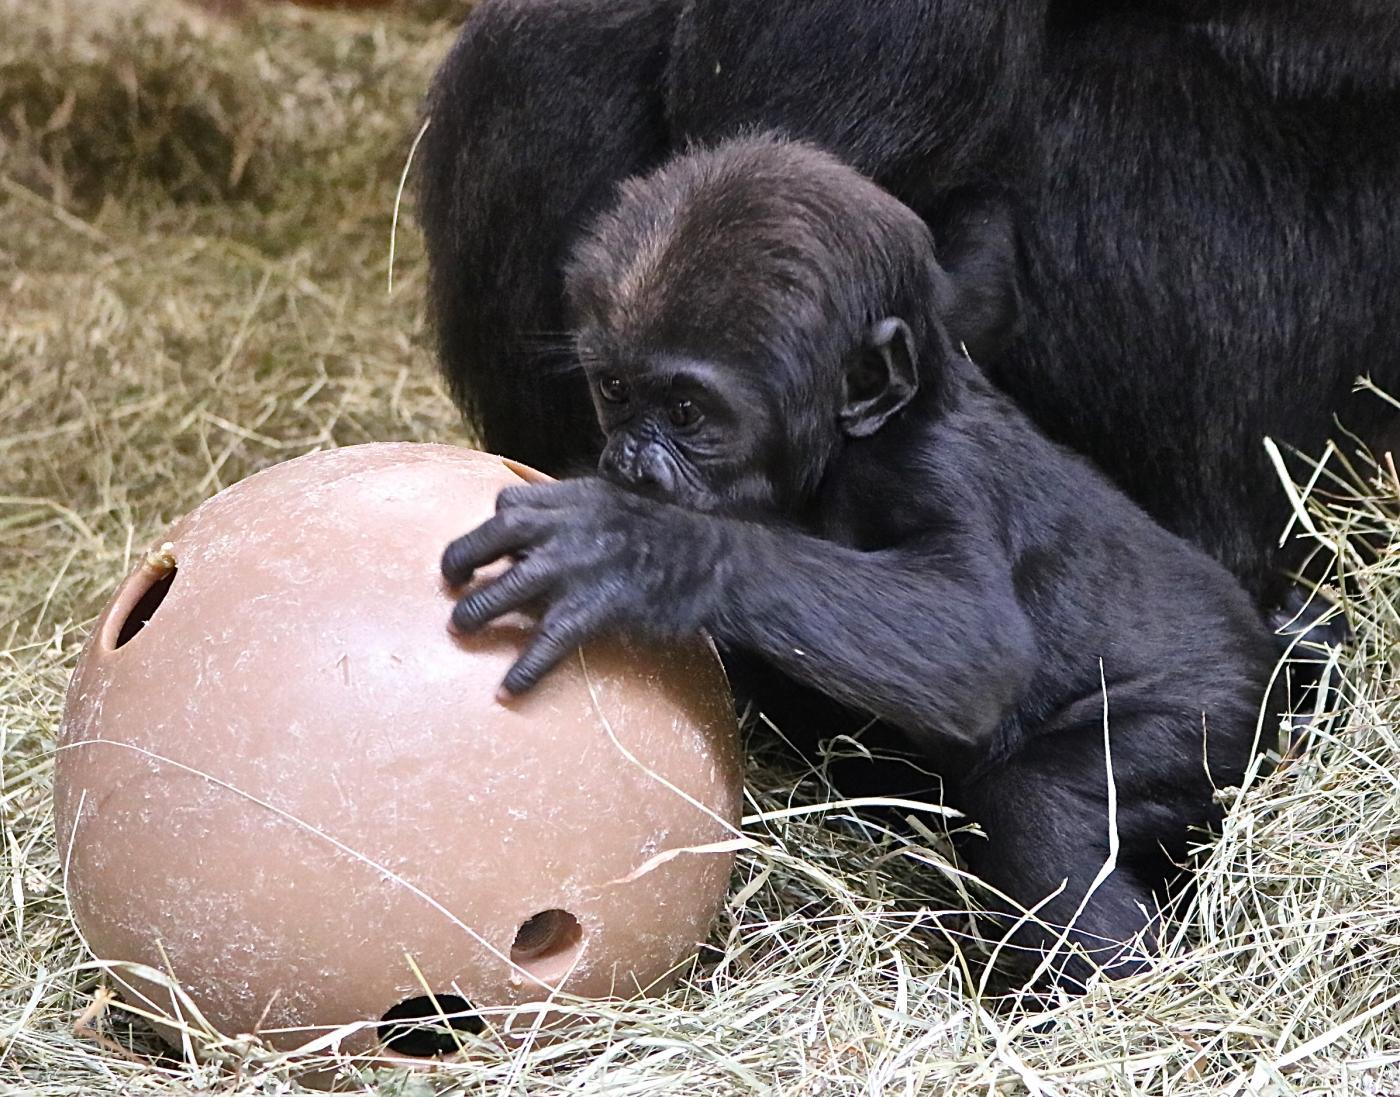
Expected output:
{"points": [[1206, 194]]}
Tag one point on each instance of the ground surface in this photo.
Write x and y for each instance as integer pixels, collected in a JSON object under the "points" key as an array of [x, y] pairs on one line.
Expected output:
{"points": [[193, 285]]}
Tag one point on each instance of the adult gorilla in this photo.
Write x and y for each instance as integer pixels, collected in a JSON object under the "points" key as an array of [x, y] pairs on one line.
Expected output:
{"points": [[1206, 192]]}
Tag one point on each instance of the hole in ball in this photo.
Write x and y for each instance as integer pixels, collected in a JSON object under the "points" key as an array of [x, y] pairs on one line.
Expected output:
{"points": [[420, 1028], [548, 935], [140, 611]]}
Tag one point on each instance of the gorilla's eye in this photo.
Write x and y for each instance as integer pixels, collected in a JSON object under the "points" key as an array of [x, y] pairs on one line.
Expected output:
{"points": [[684, 413], [613, 390]]}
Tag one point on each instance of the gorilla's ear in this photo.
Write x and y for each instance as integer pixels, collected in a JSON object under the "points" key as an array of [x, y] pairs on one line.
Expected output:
{"points": [[880, 379], [979, 297]]}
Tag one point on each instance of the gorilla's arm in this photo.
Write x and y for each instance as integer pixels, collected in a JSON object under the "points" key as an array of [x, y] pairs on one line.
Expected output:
{"points": [[885, 84], [1299, 48], [929, 638], [535, 115]]}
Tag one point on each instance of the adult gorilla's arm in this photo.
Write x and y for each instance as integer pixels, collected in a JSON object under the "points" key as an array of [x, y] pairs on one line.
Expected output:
{"points": [[534, 116], [940, 86], [1303, 48]]}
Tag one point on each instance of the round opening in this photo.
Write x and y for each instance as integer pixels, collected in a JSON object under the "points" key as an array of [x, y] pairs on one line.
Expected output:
{"points": [[545, 938], [428, 1025], [140, 601]]}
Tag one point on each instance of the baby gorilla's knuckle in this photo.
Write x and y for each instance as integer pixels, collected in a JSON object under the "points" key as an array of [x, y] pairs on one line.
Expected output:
{"points": [[511, 498], [555, 638], [616, 597]]}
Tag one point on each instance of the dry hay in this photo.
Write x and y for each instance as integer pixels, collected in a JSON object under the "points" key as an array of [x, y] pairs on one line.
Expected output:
{"points": [[192, 286]]}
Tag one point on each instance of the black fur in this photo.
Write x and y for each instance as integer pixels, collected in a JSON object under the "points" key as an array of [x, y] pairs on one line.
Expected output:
{"points": [[1205, 191], [914, 548], [539, 111]]}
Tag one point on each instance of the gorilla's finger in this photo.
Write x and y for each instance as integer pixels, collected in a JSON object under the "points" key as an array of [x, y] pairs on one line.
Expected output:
{"points": [[503, 535], [558, 636], [522, 584], [546, 496]]}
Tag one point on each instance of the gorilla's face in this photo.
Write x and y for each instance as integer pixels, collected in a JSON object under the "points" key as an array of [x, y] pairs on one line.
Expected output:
{"points": [[694, 432]]}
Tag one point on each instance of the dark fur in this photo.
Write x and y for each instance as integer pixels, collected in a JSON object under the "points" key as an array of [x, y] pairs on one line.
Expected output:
{"points": [[1205, 190], [930, 559]]}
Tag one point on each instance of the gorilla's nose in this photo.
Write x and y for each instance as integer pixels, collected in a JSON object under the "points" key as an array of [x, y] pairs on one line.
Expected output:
{"points": [[637, 465], [656, 475], [619, 461]]}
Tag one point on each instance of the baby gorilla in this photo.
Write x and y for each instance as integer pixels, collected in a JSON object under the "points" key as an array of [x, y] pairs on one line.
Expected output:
{"points": [[802, 461]]}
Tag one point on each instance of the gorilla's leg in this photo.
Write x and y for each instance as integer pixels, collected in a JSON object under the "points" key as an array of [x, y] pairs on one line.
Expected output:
{"points": [[535, 115], [1045, 815]]}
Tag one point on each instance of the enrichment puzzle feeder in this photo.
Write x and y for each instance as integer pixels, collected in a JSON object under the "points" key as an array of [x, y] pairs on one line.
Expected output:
{"points": [[283, 783]]}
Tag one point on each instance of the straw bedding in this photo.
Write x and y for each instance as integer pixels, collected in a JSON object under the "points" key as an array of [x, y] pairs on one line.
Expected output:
{"points": [[194, 284]]}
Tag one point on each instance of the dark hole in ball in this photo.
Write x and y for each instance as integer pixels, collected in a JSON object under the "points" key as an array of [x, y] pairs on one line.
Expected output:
{"points": [[548, 934], [419, 1028], [145, 608]]}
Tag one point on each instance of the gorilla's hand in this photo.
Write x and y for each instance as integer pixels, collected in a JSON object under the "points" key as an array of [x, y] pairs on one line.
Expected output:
{"points": [[592, 557]]}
